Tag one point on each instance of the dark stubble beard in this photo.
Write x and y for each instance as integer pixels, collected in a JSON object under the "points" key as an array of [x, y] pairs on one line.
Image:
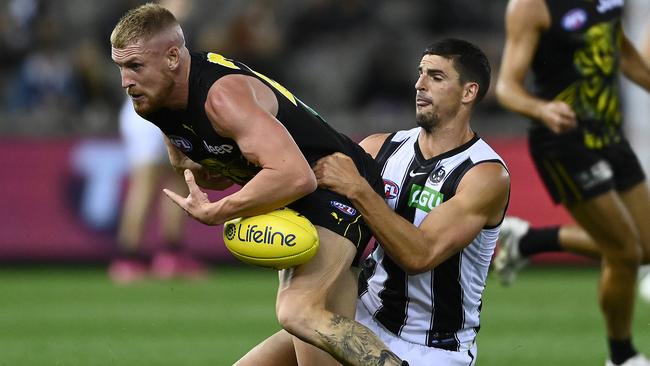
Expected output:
{"points": [[427, 121]]}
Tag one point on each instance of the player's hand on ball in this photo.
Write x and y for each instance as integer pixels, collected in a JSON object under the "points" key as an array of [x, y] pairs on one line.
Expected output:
{"points": [[196, 204]]}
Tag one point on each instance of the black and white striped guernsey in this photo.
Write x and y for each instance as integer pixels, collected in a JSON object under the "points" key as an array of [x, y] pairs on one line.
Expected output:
{"points": [[439, 308]]}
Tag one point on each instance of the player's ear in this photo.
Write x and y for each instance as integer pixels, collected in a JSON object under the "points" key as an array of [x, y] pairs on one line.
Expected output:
{"points": [[470, 92], [173, 58]]}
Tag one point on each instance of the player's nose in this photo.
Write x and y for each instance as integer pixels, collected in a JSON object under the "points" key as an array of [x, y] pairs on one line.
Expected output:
{"points": [[126, 80]]}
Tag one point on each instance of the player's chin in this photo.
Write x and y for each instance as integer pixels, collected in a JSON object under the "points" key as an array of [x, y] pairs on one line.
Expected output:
{"points": [[142, 106]]}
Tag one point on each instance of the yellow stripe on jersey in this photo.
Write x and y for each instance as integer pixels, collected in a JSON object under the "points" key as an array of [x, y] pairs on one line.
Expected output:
{"points": [[220, 60]]}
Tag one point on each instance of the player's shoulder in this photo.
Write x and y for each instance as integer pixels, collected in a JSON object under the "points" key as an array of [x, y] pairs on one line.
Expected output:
{"points": [[526, 4], [487, 179], [482, 152], [373, 143], [533, 13], [487, 165]]}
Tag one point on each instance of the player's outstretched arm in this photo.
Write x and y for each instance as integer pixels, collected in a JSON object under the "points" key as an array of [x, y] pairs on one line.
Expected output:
{"points": [[480, 200]]}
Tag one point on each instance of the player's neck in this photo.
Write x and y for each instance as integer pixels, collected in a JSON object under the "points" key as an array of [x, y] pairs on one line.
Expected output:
{"points": [[178, 96], [444, 138]]}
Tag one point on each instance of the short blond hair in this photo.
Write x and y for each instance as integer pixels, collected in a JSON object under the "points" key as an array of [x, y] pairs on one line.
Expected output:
{"points": [[141, 23]]}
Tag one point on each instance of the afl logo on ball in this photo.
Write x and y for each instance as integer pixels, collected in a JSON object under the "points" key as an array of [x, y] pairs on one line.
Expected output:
{"points": [[181, 143]]}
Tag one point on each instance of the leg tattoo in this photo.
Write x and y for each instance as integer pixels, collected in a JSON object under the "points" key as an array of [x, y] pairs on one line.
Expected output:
{"points": [[353, 344]]}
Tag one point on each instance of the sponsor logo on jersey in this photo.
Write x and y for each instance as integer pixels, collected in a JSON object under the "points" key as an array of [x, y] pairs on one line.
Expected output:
{"points": [[413, 174], [575, 19], [343, 208], [607, 5], [218, 149], [438, 175], [424, 198], [181, 143], [391, 189]]}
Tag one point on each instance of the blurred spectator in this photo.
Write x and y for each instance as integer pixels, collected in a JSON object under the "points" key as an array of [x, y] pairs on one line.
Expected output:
{"points": [[253, 35], [386, 80], [16, 30], [332, 17], [46, 78], [464, 15]]}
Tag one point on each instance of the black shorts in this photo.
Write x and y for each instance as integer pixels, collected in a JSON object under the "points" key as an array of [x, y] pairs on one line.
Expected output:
{"points": [[573, 173], [336, 213]]}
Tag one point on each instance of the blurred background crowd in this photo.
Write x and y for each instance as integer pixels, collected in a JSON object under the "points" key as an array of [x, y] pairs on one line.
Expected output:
{"points": [[353, 60]]}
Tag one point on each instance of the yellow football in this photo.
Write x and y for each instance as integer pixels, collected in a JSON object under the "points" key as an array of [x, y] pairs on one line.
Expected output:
{"points": [[279, 239]]}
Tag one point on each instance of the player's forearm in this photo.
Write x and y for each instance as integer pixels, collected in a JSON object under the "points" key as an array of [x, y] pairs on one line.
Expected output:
{"points": [[514, 97], [267, 191], [403, 242], [633, 66]]}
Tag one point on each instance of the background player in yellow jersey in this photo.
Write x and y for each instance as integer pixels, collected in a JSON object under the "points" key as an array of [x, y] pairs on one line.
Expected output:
{"points": [[576, 50]]}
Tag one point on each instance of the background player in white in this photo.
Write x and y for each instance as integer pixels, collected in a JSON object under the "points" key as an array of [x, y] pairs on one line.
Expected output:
{"points": [[149, 170], [447, 192]]}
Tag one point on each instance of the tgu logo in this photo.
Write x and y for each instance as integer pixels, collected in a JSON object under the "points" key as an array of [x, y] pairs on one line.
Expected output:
{"points": [[391, 189], [181, 143], [261, 236], [424, 198]]}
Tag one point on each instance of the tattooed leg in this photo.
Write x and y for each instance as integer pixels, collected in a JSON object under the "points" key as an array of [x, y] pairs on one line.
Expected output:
{"points": [[348, 341], [316, 305]]}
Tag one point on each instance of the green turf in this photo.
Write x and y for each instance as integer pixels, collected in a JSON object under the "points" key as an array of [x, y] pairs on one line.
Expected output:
{"points": [[55, 316]]}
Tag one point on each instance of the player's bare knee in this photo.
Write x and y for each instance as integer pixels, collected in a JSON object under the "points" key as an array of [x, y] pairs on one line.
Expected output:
{"points": [[295, 312], [628, 257]]}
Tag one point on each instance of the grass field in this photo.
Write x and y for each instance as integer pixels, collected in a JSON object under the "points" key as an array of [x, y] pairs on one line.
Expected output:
{"points": [[63, 316]]}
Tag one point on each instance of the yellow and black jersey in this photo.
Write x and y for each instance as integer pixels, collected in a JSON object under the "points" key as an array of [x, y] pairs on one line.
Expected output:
{"points": [[577, 61], [192, 133]]}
